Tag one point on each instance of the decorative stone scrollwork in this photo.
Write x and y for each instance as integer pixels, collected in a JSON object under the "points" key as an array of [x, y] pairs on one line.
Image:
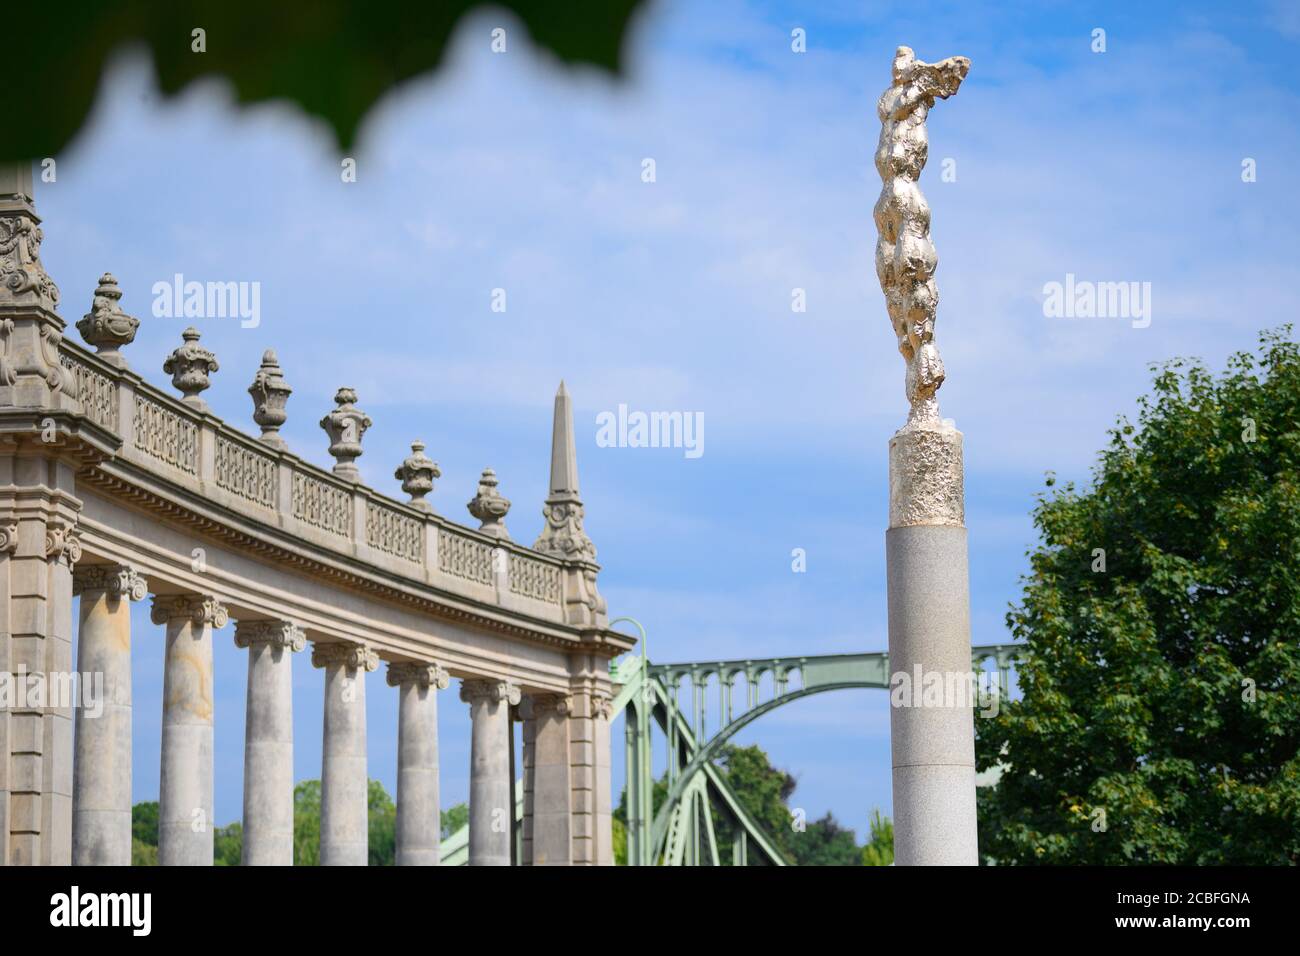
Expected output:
{"points": [[489, 506], [416, 474], [563, 535], [475, 689], [270, 394], [62, 543], [8, 538], [189, 366], [118, 580], [106, 326], [285, 634], [8, 374], [57, 377], [21, 272], [602, 706], [545, 704], [199, 610], [419, 673], [345, 426], [351, 656]]}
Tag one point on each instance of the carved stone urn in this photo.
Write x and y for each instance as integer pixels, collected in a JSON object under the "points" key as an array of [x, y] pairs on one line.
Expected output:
{"points": [[106, 326], [416, 474], [270, 394], [189, 366], [345, 426], [489, 506]]}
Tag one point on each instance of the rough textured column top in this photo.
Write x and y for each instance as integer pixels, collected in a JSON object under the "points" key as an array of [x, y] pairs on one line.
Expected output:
{"points": [[281, 633], [351, 656], [925, 476], [416, 672]]}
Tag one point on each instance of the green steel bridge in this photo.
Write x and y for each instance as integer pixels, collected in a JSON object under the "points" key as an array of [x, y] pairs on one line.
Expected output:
{"points": [[680, 831]]}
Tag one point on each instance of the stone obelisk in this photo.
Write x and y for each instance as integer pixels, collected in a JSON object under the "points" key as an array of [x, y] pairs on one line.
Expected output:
{"points": [[932, 734]]}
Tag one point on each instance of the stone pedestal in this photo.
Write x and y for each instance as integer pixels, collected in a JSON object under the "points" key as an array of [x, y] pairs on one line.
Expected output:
{"points": [[185, 785], [418, 812], [932, 733], [101, 784], [344, 784], [268, 740], [491, 789]]}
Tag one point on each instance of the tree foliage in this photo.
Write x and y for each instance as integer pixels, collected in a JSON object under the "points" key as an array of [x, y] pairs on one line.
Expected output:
{"points": [[1160, 719], [333, 58]]}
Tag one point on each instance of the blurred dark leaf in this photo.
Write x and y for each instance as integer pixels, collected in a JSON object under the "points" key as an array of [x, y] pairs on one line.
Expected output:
{"points": [[335, 59]]}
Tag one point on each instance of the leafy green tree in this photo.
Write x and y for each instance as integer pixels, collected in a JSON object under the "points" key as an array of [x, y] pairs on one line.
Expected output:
{"points": [[144, 834], [453, 818], [306, 823], [383, 826], [763, 790], [879, 848], [228, 845], [1160, 719], [825, 843]]}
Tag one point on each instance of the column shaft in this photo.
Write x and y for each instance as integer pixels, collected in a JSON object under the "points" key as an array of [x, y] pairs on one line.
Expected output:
{"points": [[101, 787], [491, 791], [268, 741], [185, 786], [344, 818], [418, 821]]}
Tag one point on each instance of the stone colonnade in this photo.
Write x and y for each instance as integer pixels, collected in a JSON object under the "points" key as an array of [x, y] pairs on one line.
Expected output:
{"points": [[566, 783]]}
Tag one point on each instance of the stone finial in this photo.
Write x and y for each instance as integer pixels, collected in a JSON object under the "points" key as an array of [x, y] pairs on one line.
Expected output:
{"points": [[416, 474], [345, 426], [189, 366], [563, 534], [106, 326], [23, 280], [489, 506], [270, 394]]}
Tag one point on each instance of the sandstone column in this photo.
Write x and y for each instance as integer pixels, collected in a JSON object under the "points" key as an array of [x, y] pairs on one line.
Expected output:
{"points": [[418, 821], [185, 787], [101, 785], [602, 710], [491, 791], [268, 740], [552, 831], [344, 784]]}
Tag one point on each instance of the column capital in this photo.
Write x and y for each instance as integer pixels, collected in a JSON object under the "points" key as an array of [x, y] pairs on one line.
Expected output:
{"points": [[9, 535], [199, 609], [488, 689], [119, 580], [351, 656], [284, 634], [540, 705], [418, 672], [62, 542], [602, 705]]}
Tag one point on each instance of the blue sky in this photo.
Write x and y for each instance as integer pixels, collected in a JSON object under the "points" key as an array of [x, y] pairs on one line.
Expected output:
{"points": [[511, 171]]}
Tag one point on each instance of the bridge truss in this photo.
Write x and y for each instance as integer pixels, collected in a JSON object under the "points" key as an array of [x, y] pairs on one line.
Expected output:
{"points": [[679, 830]]}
